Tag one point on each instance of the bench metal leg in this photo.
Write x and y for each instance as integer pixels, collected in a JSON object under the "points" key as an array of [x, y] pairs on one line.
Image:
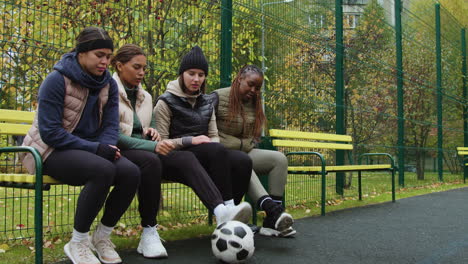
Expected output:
{"points": [[465, 173], [393, 185], [324, 190], [210, 218], [254, 208], [38, 222], [359, 185]]}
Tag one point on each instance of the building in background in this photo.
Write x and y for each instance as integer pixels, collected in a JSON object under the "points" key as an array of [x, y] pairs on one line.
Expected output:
{"points": [[353, 9]]}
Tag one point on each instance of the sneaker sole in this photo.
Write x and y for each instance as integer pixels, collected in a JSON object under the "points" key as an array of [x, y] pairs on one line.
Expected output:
{"points": [[93, 248], [265, 231], [244, 215], [107, 262], [284, 222], [66, 248], [162, 255], [288, 233]]}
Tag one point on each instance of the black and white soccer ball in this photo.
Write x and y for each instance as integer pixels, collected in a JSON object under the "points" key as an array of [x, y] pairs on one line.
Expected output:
{"points": [[233, 242]]}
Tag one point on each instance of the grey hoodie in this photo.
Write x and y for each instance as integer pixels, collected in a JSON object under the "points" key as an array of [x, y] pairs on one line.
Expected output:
{"points": [[163, 116]]}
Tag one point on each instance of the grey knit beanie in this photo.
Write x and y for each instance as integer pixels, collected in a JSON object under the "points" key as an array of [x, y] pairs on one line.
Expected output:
{"points": [[194, 59]]}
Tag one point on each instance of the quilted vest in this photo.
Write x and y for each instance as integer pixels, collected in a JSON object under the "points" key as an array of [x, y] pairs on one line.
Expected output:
{"points": [[237, 127], [188, 121], [74, 103], [143, 108]]}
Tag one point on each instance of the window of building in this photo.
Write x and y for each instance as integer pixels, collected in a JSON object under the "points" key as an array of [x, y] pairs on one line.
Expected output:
{"points": [[351, 20]]}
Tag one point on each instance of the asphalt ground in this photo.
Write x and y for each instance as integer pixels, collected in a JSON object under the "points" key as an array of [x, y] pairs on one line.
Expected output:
{"points": [[425, 229]]}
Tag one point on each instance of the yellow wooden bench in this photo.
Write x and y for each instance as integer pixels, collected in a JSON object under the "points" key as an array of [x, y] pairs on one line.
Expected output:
{"points": [[313, 144], [462, 153], [17, 123]]}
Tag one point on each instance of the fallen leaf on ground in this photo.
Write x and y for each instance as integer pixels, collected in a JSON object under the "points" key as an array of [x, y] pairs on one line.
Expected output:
{"points": [[4, 247]]}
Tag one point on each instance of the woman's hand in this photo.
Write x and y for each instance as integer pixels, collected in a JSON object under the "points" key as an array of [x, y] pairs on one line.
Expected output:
{"points": [[109, 152], [152, 134], [117, 152], [164, 147], [200, 140]]}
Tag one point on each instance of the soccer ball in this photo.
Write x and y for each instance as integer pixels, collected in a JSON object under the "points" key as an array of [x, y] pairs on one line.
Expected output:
{"points": [[232, 242]]}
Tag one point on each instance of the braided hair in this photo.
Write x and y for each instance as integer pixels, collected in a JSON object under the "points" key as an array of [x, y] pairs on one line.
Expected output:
{"points": [[235, 101]]}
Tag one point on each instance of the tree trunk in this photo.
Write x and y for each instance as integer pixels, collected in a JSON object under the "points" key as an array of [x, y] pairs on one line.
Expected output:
{"points": [[348, 180]]}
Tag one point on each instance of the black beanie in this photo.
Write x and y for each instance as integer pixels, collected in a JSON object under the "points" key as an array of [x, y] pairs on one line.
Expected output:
{"points": [[194, 59]]}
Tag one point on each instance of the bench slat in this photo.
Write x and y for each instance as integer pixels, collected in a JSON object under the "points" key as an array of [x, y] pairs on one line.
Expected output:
{"points": [[462, 148], [26, 178], [340, 168], [14, 129], [15, 116], [308, 135], [308, 144], [463, 152]]}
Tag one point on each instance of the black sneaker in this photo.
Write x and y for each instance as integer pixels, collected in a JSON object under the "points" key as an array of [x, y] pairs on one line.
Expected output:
{"points": [[279, 226], [290, 232], [278, 222]]}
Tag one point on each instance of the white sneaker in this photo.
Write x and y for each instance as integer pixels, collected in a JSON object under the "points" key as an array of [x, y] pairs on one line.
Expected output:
{"points": [[241, 212], [80, 253], [105, 250], [150, 245]]}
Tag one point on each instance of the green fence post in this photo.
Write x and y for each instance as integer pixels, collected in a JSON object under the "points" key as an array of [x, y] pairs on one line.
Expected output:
{"points": [[150, 51], [465, 109], [439, 93], [225, 64], [339, 86], [226, 44], [400, 94]]}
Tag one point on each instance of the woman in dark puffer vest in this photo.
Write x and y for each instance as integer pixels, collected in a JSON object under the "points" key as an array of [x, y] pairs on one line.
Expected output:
{"points": [[240, 119], [186, 115], [76, 131]]}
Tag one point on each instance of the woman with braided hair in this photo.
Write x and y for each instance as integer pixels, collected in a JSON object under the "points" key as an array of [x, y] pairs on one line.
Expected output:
{"points": [[240, 119]]}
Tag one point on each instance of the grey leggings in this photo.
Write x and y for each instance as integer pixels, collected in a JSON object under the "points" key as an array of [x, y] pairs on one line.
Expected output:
{"points": [[273, 163]]}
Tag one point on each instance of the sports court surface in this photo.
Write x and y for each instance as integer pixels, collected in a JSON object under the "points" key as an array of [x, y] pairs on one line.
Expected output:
{"points": [[425, 229]]}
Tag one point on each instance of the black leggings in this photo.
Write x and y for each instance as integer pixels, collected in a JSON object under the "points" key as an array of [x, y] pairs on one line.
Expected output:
{"points": [[79, 167], [149, 192], [209, 170], [241, 170]]}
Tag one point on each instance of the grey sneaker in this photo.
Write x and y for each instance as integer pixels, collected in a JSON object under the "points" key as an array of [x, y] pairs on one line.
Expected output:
{"points": [[150, 245], [105, 250], [80, 253]]}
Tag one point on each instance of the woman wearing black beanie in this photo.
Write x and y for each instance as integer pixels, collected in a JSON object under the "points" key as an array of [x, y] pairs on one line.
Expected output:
{"points": [[185, 115]]}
